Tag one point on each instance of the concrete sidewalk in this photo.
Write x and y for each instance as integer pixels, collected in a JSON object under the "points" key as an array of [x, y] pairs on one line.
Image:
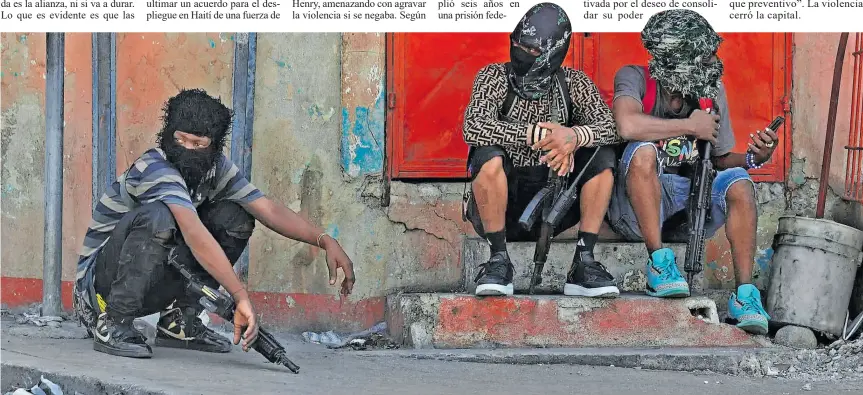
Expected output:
{"points": [[74, 365]]}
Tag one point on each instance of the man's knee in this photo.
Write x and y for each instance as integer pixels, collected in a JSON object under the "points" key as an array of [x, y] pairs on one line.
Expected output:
{"points": [[644, 161], [230, 217], [489, 178], [491, 170], [741, 191], [157, 219]]}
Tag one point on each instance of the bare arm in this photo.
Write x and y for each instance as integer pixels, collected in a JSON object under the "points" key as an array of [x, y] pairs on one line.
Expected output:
{"points": [[729, 161], [634, 125], [207, 251], [293, 226], [286, 222]]}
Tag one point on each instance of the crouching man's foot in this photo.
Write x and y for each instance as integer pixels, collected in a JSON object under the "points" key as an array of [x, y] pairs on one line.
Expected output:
{"points": [[495, 276], [587, 277], [663, 278], [746, 308], [178, 329], [117, 336]]}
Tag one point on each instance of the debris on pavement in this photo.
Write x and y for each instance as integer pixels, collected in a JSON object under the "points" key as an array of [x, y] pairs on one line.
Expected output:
{"points": [[45, 387], [374, 338], [34, 316], [839, 361], [29, 322]]}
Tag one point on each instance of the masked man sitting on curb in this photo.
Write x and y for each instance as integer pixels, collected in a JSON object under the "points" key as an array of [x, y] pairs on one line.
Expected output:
{"points": [[653, 177], [186, 201], [523, 117]]}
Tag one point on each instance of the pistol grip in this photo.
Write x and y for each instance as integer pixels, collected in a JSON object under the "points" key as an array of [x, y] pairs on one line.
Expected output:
{"points": [[533, 209]]}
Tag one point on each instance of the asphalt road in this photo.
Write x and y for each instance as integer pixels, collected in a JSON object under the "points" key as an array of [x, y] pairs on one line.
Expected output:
{"points": [[341, 372]]}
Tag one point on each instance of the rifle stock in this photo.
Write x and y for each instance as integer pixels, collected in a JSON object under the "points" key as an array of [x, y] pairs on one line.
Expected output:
{"points": [[699, 203]]}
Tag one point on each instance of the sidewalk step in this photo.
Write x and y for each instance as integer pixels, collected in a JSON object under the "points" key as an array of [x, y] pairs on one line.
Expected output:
{"points": [[436, 320], [626, 261]]}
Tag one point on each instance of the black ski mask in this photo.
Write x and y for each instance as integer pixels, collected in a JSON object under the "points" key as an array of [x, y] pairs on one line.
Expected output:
{"points": [[195, 112], [545, 28]]}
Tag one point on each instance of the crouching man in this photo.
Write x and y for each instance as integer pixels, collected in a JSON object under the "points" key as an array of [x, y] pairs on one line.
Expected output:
{"points": [[523, 117], [656, 107], [181, 200]]}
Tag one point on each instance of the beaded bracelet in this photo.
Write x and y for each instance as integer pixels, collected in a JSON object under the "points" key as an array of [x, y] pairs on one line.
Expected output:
{"points": [[750, 161]]}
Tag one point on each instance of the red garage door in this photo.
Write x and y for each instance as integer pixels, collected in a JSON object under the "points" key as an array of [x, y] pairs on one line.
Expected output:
{"points": [[430, 78]]}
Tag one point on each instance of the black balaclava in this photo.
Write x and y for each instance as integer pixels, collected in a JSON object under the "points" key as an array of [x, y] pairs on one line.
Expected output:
{"points": [[546, 28], [195, 112]]}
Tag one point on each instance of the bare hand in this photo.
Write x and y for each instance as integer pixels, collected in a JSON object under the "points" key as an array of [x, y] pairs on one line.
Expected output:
{"points": [[337, 258], [706, 125], [564, 164], [560, 144], [245, 318], [763, 144]]}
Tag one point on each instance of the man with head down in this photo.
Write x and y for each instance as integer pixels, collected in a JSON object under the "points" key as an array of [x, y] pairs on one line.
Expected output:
{"points": [[524, 117], [182, 200], [656, 108]]}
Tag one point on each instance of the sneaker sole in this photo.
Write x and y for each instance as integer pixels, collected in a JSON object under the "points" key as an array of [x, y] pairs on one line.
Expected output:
{"points": [[100, 347], [494, 290], [671, 293], [599, 292], [754, 327], [190, 345]]}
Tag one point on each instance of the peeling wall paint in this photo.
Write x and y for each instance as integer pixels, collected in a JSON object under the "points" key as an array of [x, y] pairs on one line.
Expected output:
{"points": [[814, 61], [153, 67], [23, 150], [363, 114]]}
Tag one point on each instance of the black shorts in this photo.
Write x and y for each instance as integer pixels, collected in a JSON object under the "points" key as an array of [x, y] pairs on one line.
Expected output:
{"points": [[524, 182]]}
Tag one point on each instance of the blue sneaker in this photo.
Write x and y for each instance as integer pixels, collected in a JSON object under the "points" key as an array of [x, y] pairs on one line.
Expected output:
{"points": [[746, 308], [663, 278]]}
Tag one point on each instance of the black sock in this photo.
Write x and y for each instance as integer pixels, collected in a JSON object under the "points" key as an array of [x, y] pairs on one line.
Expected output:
{"points": [[586, 241], [497, 240]]}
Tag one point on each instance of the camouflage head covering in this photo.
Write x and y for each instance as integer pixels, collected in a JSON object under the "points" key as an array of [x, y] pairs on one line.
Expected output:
{"points": [[547, 29], [681, 43]]}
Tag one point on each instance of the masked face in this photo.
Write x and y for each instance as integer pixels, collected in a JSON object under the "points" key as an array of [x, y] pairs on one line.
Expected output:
{"points": [[193, 134], [521, 59], [193, 156], [683, 47], [539, 45]]}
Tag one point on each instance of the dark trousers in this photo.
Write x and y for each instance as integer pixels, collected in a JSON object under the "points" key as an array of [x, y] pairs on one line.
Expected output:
{"points": [[132, 271], [524, 182]]}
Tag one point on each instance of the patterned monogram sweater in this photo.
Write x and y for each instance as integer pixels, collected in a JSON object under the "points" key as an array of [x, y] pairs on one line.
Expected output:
{"points": [[483, 124]]}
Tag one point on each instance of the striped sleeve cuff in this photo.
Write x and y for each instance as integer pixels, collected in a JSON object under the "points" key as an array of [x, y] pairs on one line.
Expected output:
{"points": [[584, 136], [535, 133]]}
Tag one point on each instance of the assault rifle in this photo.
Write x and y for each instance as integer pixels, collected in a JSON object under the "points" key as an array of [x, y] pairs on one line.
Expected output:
{"points": [[553, 202], [216, 301], [699, 204]]}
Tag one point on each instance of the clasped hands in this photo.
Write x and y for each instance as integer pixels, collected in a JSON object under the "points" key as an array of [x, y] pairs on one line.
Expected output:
{"points": [[559, 143]]}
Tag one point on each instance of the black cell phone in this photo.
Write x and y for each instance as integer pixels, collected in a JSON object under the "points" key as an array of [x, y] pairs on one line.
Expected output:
{"points": [[776, 123]]}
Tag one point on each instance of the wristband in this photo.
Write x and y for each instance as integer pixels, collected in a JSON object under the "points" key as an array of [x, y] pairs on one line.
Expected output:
{"points": [[536, 134], [320, 236], [234, 294], [750, 161], [583, 136]]}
